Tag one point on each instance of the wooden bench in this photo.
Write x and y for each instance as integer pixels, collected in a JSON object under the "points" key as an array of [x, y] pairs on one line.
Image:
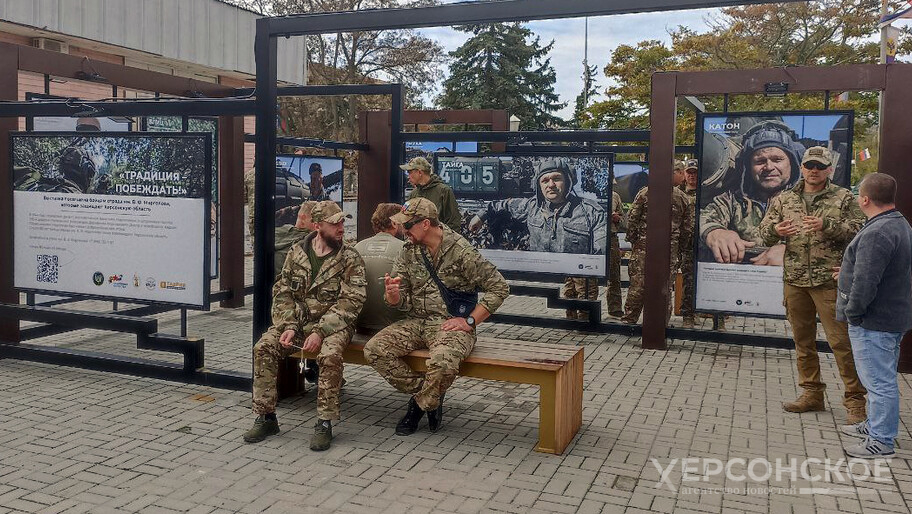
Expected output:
{"points": [[557, 370]]}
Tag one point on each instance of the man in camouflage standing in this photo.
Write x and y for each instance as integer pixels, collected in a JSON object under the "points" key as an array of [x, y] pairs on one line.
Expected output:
{"points": [[429, 185], [817, 219], [615, 309], [250, 197], [682, 222], [430, 323], [316, 299], [689, 187]]}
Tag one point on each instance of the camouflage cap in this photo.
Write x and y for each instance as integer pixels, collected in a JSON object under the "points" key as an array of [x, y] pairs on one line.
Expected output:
{"points": [[418, 163], [817, 154], [328, 211], [679, 165], [691, 164], [414, 209]]}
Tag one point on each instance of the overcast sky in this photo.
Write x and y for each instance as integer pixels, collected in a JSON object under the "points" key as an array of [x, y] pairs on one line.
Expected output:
{"points": [[605, 34]]}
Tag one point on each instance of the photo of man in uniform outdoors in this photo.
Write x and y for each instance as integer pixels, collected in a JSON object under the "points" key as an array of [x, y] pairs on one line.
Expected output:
{"points": [[748, 162], [556, 216]]}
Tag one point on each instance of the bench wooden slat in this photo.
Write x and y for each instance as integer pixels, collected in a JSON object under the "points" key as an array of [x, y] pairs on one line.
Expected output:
{"points": [[556, 368]]}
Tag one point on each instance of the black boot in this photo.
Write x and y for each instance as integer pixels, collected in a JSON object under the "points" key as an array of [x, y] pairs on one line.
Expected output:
{"points": [[409, 423], [435, 417]]}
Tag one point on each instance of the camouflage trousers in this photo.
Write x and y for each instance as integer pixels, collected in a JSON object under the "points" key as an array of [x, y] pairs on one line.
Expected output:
{"points": [[687, 293], [446, 352], [636, 268], [614, 278], [582, 288], [268, 353]]}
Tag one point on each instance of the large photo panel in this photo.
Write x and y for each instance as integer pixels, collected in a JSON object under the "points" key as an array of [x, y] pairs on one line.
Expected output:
{"points": [[534, 213], [746, 159], [121, 216]]}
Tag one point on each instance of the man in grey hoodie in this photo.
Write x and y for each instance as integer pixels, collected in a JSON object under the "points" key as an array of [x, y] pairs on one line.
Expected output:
{"points": [[875, 298]]}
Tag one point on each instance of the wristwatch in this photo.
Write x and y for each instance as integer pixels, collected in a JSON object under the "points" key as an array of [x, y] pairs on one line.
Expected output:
{"points": [[470, 320]]}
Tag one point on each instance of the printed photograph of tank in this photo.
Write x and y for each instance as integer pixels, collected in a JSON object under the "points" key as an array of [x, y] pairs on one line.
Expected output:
{"points": [[534, 213], [746, 160]]}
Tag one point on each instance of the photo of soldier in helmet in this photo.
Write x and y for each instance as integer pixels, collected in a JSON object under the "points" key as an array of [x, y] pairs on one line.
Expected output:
{"points": [[74, 172], [767, 164], [557, 218]]}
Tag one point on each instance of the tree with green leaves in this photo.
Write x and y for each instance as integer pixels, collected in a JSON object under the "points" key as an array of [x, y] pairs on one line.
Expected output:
{"points": [[817, 33], [504, 66]]}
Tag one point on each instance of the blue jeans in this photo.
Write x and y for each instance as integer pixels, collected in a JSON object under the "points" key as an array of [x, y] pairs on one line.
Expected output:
{"points": [[876, 355]]}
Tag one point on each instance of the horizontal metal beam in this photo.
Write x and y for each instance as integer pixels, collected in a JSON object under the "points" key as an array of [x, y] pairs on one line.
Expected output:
{"points": [[570, 136], [126, 366], [467, 13], [328, 90], [308, 142], [149, 107], [81, 319]]}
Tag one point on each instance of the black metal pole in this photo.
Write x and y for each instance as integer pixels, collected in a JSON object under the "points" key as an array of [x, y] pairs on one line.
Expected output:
{"points": [[264, 213], [396, 108]]}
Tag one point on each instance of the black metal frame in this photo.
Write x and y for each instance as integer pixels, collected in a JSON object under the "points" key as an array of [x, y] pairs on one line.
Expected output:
{"points": [[206, 282], [59, 321]]}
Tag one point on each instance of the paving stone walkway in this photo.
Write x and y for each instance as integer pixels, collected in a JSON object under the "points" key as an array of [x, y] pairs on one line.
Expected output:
{"points": [[79, 441]]}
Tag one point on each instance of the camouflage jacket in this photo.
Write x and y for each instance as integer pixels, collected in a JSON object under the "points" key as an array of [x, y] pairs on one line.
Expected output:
{"points": [[459, 266], [35, 181], [617, 207], [249, 183], [682, 221], [730, 212], [324, 304], [578, 226], [811, 256]]}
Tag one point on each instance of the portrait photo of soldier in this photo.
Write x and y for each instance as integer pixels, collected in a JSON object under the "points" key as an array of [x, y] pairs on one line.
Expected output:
{"points": [[767, 165], [556, 217]]}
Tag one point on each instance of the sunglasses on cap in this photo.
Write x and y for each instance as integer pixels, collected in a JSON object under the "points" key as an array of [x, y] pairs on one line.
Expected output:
{"points": [[814, 165], [411, 223]]}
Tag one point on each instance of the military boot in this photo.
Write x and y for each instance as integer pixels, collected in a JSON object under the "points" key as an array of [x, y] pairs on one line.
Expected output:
{"points": [[409, 423], [261, 429], [810, 401], [323, 434], [435, 417], [856, 414]]}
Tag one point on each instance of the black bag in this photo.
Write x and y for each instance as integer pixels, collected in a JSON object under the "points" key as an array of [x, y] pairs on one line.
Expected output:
{"points": [[459, 303]]}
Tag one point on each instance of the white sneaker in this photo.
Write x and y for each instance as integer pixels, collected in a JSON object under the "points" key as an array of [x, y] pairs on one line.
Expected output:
{"points": [[859, 430], [869, 449]]}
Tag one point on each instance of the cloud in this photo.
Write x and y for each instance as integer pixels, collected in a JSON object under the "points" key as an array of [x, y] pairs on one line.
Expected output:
{"points": [[605, 34]]}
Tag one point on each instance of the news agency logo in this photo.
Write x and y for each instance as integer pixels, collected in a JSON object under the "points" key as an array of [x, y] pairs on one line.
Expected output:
{"points": [[723, 127], [826, 476]]}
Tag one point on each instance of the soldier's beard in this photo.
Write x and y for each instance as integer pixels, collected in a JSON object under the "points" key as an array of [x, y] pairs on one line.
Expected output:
{"points": [[330, 240]]}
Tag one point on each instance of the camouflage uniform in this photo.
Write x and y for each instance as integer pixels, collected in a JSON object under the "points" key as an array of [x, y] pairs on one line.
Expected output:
{"points": [[460, 267], [687, 259], [250, 197], [614, 264], [327, 305], [809, 288], [681, 235], [75, 173]]}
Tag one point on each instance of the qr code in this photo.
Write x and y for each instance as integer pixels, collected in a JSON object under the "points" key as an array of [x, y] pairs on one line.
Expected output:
{"points": [[47, 268]]}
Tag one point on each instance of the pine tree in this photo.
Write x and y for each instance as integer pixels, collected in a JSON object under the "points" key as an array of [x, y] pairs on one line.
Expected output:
{"points": [[503, 66], [590, 90]]}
